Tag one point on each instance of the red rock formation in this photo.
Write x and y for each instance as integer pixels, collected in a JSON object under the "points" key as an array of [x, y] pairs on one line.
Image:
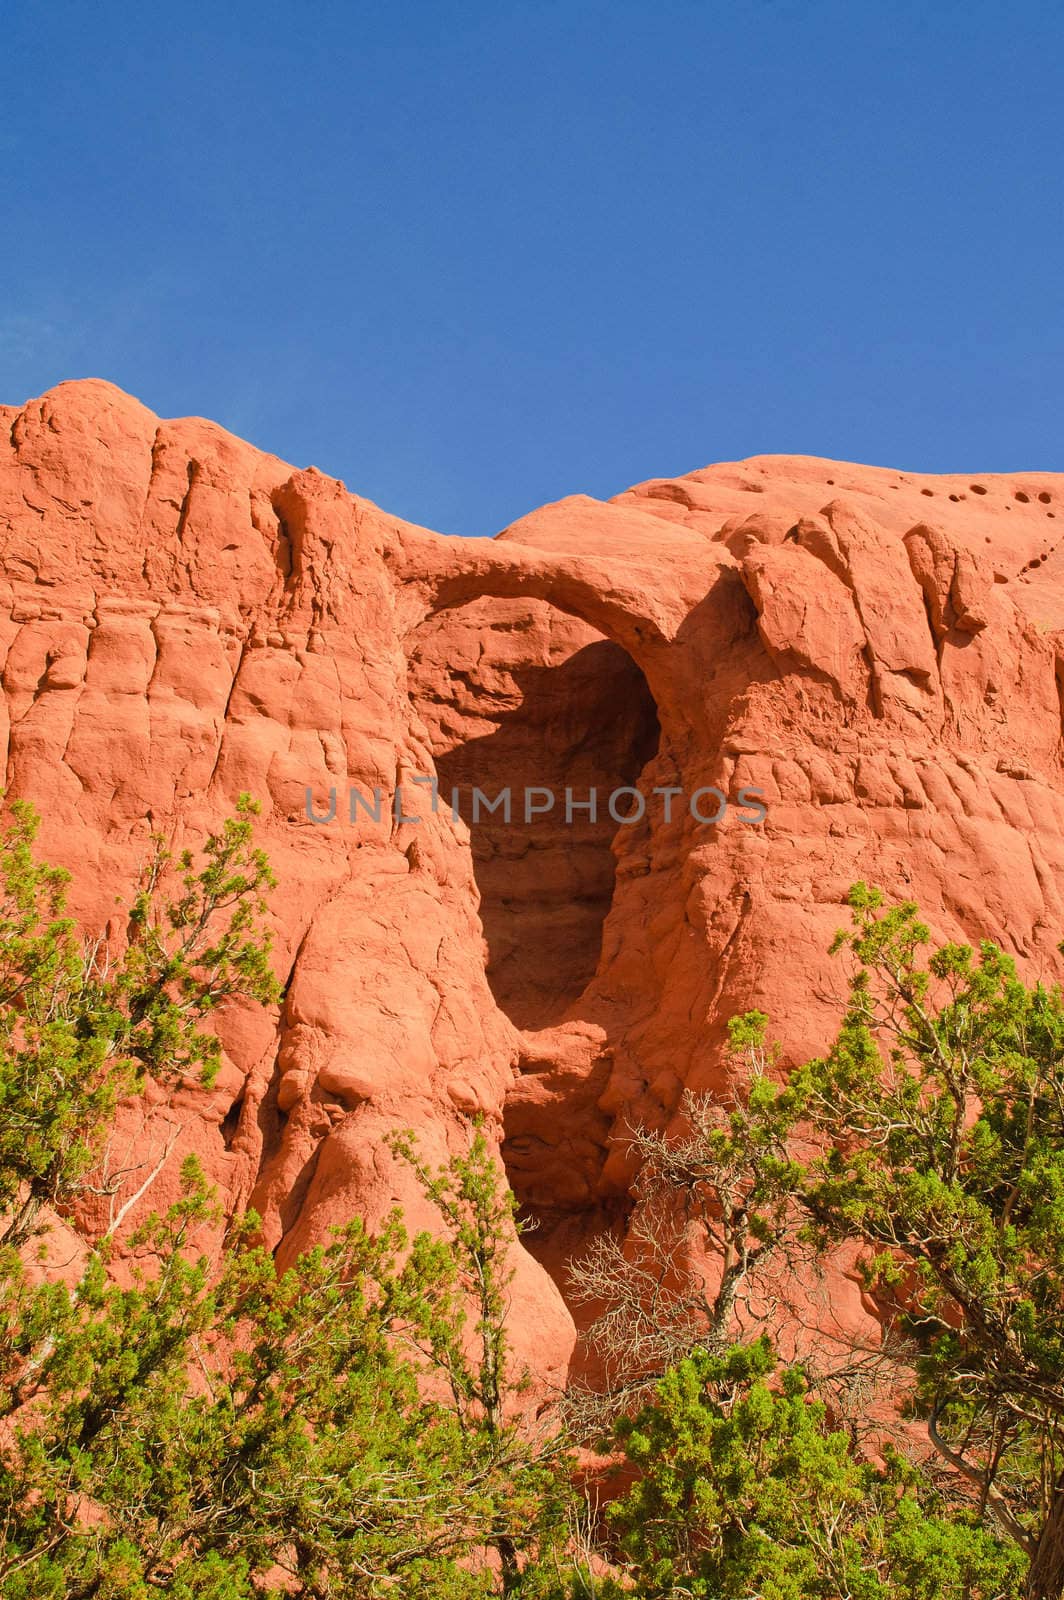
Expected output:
{"points": [[878, 653]]}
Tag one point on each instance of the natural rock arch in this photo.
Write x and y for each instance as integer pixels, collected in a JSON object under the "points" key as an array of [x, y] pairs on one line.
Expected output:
{"points": [[517, 696]]}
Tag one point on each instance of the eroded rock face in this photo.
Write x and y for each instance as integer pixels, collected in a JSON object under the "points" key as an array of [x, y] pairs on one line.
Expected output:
{"points": [[879, 654]]}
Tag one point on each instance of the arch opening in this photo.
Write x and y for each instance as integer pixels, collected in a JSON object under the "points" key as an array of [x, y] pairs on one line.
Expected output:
{"points": [[517, 695]]}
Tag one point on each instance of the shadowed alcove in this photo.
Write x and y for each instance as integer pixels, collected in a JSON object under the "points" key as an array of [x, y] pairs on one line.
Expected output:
{"points": [[516, 694]]}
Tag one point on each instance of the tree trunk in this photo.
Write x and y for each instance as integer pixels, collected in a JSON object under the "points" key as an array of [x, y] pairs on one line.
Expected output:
{"points": [[20, 1229], [511, 1572], [1045, 1580]]}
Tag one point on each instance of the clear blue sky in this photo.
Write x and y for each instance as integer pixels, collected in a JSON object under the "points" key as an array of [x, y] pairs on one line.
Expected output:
{"points": [[472, 257]]}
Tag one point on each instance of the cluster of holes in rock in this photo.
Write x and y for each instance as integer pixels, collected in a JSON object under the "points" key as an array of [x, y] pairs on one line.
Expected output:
{"points": [[1044, 497], [977, 488]]}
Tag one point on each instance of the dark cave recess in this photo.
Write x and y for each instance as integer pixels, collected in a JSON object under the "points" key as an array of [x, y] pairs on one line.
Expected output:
{"points": [[515, 694]]}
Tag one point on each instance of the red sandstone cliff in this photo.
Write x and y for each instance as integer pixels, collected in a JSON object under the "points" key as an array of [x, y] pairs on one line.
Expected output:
{"points": [[183, 618]]}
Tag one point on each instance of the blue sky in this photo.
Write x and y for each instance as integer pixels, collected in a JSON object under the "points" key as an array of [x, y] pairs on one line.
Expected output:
{"points": [[472, 257]]}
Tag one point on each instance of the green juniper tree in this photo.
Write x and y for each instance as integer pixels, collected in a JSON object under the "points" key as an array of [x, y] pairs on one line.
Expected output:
{"points": [[215, 1430], [744, 1490], [478, 1213], [940, 1111], [230, 1434], [80, 1028], [931, 1136]]}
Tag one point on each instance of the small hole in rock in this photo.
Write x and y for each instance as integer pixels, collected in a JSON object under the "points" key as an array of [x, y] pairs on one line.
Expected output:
{"points": [[231, 1121], [1045, 497], [1024, 499], [977, 488], [930, 493]]}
